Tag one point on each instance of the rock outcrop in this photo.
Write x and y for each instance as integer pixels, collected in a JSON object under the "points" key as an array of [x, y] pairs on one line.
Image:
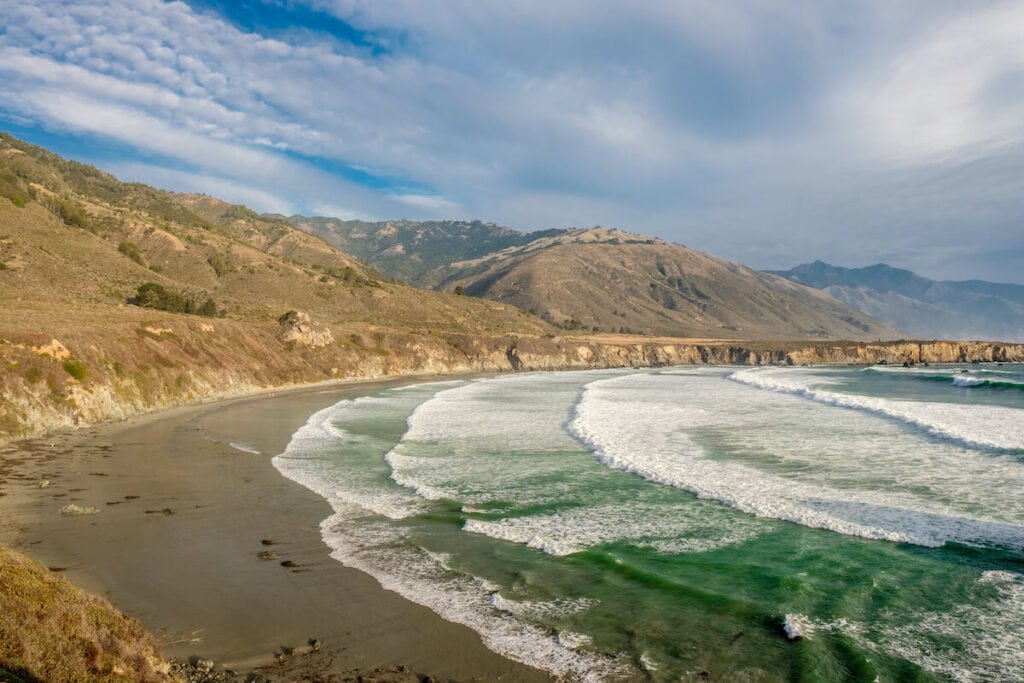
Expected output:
{"points": [[298, 328]]}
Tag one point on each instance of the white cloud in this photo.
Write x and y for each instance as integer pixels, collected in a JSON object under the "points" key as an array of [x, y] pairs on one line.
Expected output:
{"points": [[764, 132], [436, 205], [938, 95]]}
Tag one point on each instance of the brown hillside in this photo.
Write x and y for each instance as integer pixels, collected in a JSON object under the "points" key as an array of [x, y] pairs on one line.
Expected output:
{"points": [[616, 281], [51, 630]]}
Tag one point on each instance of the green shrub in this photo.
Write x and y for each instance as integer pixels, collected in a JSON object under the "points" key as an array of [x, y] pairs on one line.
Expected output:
{"points": [[74, 368], [153, 295], [72, 213], [131, 250], [241, 212], [208, 309], [12, 188], [218, 265]]}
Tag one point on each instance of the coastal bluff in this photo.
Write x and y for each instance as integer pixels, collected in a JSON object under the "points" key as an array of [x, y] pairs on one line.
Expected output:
{"points": [[72, 376]]}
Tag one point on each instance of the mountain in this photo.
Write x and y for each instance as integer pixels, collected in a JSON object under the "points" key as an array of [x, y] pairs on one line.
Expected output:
{"points": [[598, 279], [612, 280], [970, 309], [417, 252], [119, 298]]}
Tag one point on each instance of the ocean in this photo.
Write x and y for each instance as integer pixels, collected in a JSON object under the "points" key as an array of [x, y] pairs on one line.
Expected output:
{"points": [[707, 523]]}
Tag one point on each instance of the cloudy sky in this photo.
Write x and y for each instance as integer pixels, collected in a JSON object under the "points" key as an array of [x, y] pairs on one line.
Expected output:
{"points": [[772, 133]]}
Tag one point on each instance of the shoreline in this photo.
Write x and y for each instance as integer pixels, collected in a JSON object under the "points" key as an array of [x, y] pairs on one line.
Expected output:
{"points": [[186, 497]]}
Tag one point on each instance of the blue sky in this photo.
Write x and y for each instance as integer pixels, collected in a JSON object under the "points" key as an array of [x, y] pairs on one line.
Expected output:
{"points": [[772, 133]]}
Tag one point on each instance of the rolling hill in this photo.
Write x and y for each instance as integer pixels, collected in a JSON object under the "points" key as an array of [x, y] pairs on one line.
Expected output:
{"points": [[417, 252], [970, 309], [599, 280]]}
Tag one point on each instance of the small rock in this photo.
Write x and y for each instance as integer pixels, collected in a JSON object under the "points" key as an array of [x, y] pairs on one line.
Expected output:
{"points": [[44, 483], [205, 665], [268, 541], [315, 644], [72, 509], [267, 555]]}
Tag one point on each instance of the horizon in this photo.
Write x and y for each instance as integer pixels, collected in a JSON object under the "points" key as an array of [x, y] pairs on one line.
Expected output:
{"points": [[852, 135]]}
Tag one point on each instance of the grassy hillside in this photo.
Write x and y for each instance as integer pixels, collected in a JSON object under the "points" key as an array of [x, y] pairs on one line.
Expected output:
{"points": [[615, 281], [52, 631], [418, 252]]}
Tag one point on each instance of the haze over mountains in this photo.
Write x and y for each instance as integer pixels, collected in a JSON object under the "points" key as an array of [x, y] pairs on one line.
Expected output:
{"points": [[924, 308], [599, 279]]}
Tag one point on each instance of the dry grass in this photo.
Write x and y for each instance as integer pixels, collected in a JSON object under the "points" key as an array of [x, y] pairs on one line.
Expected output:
{"points": [[617, 282], [51, 630]]}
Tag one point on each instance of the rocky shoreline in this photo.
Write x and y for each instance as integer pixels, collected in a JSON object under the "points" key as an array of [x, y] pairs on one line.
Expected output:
{"points": [[76, 379]]}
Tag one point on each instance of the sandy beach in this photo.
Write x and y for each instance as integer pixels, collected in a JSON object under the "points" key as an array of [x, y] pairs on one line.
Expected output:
{"points": [[186, 499]]}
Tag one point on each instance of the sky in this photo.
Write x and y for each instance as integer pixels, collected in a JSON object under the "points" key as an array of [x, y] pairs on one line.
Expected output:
{"points": [[768, 132]]}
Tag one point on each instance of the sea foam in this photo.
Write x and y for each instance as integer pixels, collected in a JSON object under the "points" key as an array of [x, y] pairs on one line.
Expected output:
{"points": [[657, 427], [992, 427], [361, 536]]}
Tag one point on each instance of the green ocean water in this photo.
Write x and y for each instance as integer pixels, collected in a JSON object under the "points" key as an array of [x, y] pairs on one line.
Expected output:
{"points": [[696, 524]]}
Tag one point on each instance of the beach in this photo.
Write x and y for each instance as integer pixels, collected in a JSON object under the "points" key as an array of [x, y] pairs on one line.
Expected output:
{"points": [[221, 557]]}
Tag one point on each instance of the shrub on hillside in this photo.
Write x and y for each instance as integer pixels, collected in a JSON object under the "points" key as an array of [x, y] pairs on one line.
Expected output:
{"points": [[12, 188], [74, 368], [153, 295], [131, 250]]}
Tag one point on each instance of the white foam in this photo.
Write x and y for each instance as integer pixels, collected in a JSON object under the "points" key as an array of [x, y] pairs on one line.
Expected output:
{"points": [[245, 448], [647, 425], [307, 460], [967, 381], [362, 540], [995, 427], [666, 528], [986, 633], [478, 442], [573, 641], [796, 626], [803, 626], [415, 575]]}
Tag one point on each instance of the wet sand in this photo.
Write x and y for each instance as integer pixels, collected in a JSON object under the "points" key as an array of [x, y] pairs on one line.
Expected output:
{"points": [[183, 516]]}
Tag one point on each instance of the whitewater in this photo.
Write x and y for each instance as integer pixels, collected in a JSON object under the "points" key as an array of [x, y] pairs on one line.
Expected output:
{"points": [[769, 523]]}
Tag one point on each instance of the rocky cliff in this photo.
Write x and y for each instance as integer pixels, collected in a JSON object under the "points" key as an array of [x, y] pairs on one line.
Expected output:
{"points": [[74, 376]]}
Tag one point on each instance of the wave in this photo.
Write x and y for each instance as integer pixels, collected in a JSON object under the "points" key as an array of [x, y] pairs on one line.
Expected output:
{"points": [[631, 426], [988, 427], [476, 442], [984, 641], [361, 535], [664, 528], [307, 460], [964, 379]]}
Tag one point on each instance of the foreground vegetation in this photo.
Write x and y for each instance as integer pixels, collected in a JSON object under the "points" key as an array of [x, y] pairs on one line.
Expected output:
{"points": [[51, 630]]}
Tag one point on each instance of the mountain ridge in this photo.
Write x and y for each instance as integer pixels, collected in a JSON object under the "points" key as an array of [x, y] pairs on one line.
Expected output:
{"points": [[610, 280], [966, 309]]}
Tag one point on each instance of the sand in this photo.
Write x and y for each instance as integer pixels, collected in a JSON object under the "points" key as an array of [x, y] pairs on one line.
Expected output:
{"points": [[184, 508]]}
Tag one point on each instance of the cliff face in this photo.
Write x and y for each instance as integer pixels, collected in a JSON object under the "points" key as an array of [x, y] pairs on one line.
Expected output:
{"points": [[75, 377]]}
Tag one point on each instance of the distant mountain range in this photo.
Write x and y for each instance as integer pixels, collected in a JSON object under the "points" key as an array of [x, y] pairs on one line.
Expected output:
{"points": [[598, 279], [924, 308]]}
